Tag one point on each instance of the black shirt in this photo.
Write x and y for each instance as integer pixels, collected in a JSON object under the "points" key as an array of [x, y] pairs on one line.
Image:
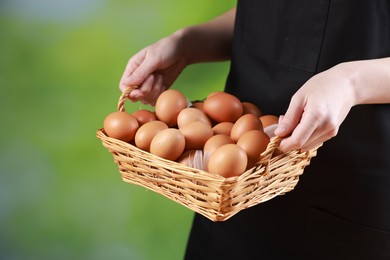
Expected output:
{"points": [[340, 208]]}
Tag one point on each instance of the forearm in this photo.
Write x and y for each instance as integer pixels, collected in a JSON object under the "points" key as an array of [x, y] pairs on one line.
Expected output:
{"points": [[370, 80], [209, 41]]}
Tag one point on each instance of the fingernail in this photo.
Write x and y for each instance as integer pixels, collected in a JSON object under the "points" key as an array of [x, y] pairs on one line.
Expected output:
{"points": [[280, 119], [280, 130]]}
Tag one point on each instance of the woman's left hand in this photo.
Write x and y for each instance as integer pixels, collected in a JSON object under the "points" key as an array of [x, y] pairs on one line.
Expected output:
{"points": [[317, 110]]}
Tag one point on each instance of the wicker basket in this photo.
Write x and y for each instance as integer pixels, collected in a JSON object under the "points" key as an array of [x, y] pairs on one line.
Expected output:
{"points": [[211, 195]]}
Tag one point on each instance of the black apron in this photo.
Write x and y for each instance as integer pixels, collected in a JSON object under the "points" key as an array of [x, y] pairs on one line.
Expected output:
{"points": [[340, 208]]}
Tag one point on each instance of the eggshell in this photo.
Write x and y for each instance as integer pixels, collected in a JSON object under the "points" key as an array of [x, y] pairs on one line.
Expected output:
{"points": [[168, 106], [143, 116], [191, 114], [214, 93], [168, 144], [254, 143], [121, 126], [223, 128], [196, 134], [268, 120], [244, 124], [223, 107], [214, 142], [250, 108], [198, 105], [146, 133], [228, 160]]}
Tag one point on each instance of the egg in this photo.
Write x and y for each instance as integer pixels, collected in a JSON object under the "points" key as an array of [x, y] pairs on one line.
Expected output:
{"points": [[168, 106], [223, 107], [198, 105], [223, 128], [244, 124], [196, 134], [146, 132], [254, 143], [214, 93], [215, 142], [228, 160], [250, 108], [168, 144], [191, 114], [143, 116], [268, 120], [121, 125]]}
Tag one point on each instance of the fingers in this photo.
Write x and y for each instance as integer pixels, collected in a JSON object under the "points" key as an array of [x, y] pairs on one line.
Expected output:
{"points": [[131, 66], [317, 141], [138, 69], [304, 131], [290, 120], [140, 73], [158, 88], [311, 131], [149, 90], [142, 90], [154, 92]]}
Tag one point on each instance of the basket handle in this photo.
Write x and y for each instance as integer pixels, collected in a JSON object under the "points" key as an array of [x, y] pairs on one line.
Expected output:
{"points": [[269, 152], [124, 97]]}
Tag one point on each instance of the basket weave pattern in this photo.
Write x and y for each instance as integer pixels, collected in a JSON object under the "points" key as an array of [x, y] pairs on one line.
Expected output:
{"points": [[211, 195]]}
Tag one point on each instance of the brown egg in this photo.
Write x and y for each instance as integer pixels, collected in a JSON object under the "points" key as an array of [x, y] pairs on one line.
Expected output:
{"points": [[214, 93], [254, 143], [223, 107], [244, 124], [196, 134], [250, 108], [191, 114], [121, 126], [146, 133], [215, 142], [198, 105], [268, 120], [223, 128], [168, 106], [228, 160], [143, 116], [168, 144]]}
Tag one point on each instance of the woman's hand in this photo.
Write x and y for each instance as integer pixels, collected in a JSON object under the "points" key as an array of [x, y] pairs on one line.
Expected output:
{"points": [[154, 69], [317, 110]]}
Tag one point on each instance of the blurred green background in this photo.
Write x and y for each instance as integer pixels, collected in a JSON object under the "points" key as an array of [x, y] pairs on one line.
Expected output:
{"points": [[61, 195]]}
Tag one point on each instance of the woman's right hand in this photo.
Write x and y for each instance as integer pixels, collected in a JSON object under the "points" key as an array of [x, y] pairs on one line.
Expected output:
{"points": [[155, 68]]}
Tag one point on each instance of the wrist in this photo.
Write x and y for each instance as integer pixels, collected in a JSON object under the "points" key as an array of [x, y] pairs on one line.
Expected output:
{"points": [[183, 39], [351, 77]]}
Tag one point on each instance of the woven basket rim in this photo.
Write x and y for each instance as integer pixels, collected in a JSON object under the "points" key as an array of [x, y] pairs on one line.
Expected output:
{"points": [[216, 197], [101, 134]]}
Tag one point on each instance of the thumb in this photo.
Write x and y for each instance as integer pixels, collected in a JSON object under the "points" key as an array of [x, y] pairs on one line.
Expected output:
{"points": [[290, 120]]}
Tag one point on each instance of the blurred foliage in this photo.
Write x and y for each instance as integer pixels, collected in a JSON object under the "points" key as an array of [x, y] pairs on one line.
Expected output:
{"points": [[61, 195]]}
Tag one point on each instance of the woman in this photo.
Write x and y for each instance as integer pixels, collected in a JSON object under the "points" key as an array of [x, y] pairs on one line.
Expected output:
{"points": [[324, 65]]}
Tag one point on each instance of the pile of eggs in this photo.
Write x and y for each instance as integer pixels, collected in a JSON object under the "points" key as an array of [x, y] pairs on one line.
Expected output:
{"points": [[220, 134]]}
